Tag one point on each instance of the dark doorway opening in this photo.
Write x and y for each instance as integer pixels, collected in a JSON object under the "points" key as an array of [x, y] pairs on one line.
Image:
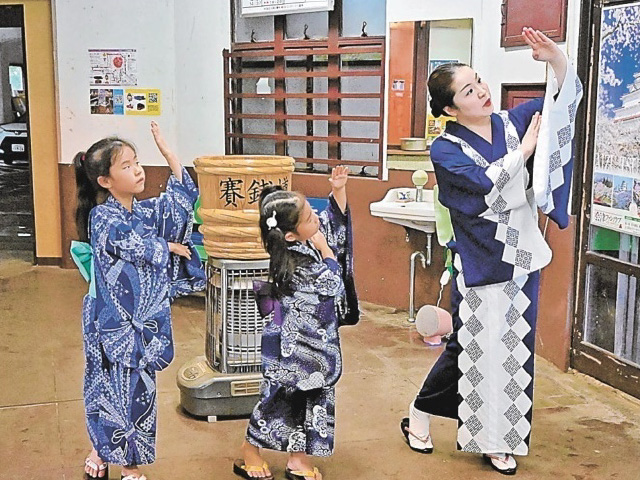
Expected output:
{"points": [[17, 239]]}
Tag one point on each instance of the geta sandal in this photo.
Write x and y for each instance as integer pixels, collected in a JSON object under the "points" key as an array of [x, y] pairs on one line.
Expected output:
{"points": [[301, 474], [404, 426], [500, 464], [242, 470]]}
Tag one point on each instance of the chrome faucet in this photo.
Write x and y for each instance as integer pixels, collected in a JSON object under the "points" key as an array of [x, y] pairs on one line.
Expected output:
{"points": [[412, 312]]}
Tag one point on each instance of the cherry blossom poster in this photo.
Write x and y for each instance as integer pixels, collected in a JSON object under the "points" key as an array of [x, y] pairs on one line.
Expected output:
{"points": [[616, 168]]}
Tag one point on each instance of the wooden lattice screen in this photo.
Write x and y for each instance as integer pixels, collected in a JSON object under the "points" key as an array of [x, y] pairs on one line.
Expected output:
{"points": [[333, 59]]}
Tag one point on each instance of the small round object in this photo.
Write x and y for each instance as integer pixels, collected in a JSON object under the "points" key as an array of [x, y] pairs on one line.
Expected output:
{"points": [[419, 178]]}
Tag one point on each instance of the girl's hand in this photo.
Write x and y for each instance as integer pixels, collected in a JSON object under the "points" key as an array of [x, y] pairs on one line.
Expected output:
{"points": [[543, 48], [179, 249], [320, 242], [530, 139], [166, 152], [159, 139], [339, 177]]}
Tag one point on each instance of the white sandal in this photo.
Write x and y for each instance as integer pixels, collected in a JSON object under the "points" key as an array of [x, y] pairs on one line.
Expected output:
{"points": [[133, 477], [503, 463], [103, 467]]}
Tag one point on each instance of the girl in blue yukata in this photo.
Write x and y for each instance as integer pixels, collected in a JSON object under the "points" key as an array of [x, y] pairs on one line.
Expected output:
{"points": [[311, 294], [142, 259], [484, 377]]}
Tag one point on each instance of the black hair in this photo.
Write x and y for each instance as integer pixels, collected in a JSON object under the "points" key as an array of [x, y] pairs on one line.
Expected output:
{"points": [[90, 165], [439, 85], [285, 208]]}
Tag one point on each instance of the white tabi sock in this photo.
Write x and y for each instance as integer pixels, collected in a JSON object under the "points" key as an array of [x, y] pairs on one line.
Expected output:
{"points": [[419, 428]]}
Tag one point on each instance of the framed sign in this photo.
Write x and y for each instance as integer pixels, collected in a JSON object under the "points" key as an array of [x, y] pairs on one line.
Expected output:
{"points": [[615, 200], [260, 8]]}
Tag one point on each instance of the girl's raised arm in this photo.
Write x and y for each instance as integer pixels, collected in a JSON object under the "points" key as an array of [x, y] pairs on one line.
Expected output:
{"points": [[172, 160]]}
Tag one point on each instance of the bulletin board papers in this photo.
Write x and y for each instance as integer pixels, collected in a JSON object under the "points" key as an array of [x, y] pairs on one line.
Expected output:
{"points": [[142, 101], [129, 101], [258, 8], [113, 67]]}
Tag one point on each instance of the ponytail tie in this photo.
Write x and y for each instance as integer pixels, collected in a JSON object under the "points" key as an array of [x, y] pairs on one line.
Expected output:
{"points": [[271, 221], [82, 158]]}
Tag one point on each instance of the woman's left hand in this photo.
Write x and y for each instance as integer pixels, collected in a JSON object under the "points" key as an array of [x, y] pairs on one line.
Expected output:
{"points": [[543, 48], [339, 177]]}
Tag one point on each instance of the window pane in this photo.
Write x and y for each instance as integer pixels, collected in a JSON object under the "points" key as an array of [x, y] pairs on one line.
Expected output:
{"points": [[613, 314], [354, 12], [317, 25], [261, 26]]}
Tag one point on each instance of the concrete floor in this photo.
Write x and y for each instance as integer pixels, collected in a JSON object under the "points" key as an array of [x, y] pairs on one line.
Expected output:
{"points": [[582, 429]]}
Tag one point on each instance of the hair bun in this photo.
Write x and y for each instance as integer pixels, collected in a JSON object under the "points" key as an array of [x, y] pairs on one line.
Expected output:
{"points": [[436, 110]]}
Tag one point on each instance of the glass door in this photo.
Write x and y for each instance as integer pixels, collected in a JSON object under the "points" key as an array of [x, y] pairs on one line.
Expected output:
{"points": [[606, 337]]}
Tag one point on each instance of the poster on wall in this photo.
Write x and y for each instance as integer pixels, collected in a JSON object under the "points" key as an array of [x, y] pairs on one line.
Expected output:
{"points": [[435, 126], [142, 101], [615, 202], [106, 101], [258, 8], [113, 67]]}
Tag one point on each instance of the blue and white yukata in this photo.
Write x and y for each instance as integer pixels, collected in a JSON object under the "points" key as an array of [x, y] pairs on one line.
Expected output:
{"points": [[127, 326], [484, 378], [301, 355]]}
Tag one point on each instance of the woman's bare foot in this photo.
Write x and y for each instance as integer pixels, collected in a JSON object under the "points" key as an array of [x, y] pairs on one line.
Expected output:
{"points": [[252, 458], [299, 461], [97, 461]]}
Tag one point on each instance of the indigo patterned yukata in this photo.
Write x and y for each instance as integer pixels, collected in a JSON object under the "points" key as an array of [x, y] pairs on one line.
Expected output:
{"points": [[127, 326], [301, 355], [484, 378]]}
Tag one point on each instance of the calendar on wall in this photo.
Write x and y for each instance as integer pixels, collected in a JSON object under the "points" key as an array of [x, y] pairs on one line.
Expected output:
{"points": [[257, 8]]}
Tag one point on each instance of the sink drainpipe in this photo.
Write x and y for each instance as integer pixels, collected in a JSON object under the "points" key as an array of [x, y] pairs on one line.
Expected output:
{"points": [[412, 313]]}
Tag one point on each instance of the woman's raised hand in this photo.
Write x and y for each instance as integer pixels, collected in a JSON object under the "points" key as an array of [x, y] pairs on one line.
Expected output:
{"points": [[530, 139], [543, 48]]}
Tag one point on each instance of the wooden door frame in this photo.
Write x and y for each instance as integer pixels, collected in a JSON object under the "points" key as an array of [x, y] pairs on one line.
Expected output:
{"points": [[585, 357]]}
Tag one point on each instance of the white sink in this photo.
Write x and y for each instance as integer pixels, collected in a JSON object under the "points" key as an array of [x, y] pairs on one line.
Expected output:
{"points": [[412, 214]]}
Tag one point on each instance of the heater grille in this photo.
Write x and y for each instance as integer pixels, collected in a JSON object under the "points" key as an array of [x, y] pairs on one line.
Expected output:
{"points": [[234, 326]]}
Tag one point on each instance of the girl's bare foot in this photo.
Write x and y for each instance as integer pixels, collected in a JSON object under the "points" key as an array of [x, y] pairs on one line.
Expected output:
{"points": [[93, 465], [133, 472], [301, 462], [252, 458]]}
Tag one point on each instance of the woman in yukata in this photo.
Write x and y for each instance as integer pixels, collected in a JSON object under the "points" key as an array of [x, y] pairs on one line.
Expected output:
{"points": [[142, 259], [311, 293], [484, 377]]}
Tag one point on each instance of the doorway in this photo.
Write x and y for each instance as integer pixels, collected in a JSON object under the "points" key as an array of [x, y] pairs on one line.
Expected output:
{"points": [[606, 335], [17, 239]]}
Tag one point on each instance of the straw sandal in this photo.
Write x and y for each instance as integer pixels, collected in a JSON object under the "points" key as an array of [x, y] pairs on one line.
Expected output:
{"points": [[103, 467], [301, 474], [242, 470]]}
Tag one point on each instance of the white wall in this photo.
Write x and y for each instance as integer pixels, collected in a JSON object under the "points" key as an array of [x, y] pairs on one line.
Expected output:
{"points": [[178, 47], [202, 31], [495, 64]]}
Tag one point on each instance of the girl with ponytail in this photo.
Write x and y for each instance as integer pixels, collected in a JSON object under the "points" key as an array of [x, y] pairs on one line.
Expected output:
{"points": [[139, 258], [311, 294]]}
